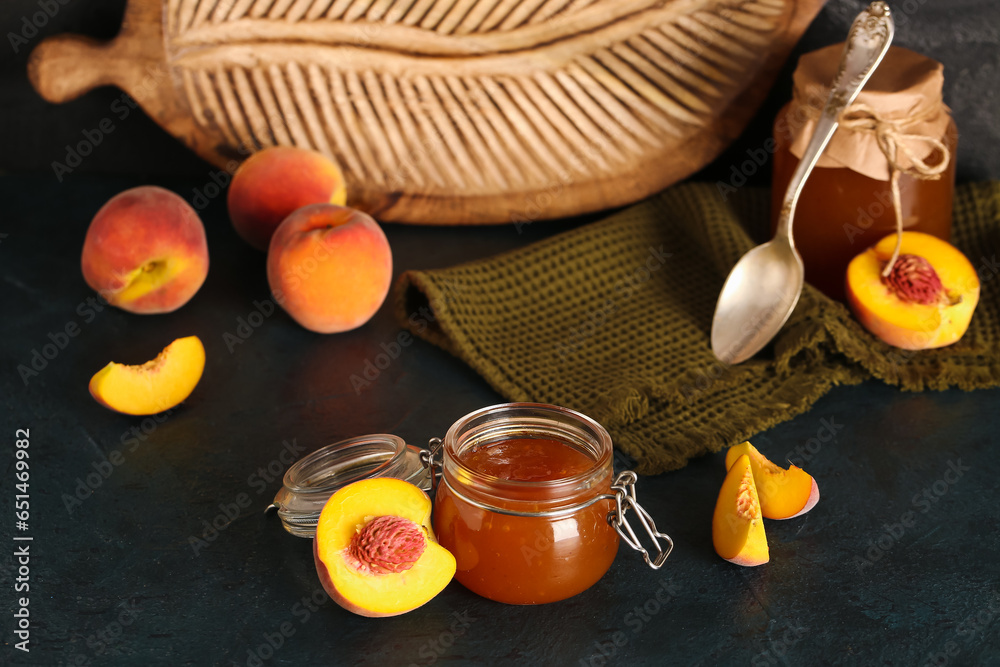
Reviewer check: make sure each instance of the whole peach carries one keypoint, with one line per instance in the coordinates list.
(145, 251)
(274, 182)
(329, 267)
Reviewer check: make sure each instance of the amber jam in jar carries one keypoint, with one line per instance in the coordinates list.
(523, 502)
(846, 204)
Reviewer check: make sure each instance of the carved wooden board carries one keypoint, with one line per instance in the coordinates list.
(449, 111)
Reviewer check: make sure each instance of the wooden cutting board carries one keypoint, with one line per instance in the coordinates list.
(449, 111)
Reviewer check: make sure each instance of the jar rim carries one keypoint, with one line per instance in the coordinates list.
(338, 458)
(600, 434)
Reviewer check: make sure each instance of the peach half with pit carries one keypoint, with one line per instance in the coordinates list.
(154, 386)
(783, 494)
(926, 300)
(274, 182)
(738, 525)
(145, 251)
(375, 550)
(329, 267)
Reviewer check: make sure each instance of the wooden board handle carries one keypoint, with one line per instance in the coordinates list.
(64, 67)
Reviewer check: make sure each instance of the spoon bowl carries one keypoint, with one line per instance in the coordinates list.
(757, 299)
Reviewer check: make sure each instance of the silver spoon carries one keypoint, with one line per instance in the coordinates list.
(764, 286)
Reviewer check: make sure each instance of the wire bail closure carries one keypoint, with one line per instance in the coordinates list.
(624, 488)
(431, 458)
(624, 497)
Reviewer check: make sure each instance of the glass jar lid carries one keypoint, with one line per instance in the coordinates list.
(310, 482)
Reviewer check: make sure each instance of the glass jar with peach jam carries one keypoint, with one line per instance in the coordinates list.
(524, 502)
(847, 203)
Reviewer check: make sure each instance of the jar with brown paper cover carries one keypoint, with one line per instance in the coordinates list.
(891, 161)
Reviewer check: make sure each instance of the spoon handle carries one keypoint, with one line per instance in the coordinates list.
(869, 39)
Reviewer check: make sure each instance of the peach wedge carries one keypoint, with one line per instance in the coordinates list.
(155, 386)
(375, 550)
(737, 525)
(783, 494)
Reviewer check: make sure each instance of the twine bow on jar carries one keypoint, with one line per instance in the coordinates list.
(892, 139)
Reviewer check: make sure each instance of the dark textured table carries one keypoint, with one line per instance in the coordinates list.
(150, 544)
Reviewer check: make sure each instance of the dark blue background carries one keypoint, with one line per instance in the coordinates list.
(898, 564)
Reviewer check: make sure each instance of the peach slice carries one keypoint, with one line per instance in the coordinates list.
(375, 550)
(155, 386)
(783, 494)
(925, 302)
(737, 525)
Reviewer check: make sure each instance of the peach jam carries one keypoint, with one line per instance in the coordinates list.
(524, 500)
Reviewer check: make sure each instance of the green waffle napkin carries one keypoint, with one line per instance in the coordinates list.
(613, 318)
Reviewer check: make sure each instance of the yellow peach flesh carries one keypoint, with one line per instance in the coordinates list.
(356, 589)
(155, 386)
(905, 324)
(149, 277)
(737, 525)
(784, 494)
